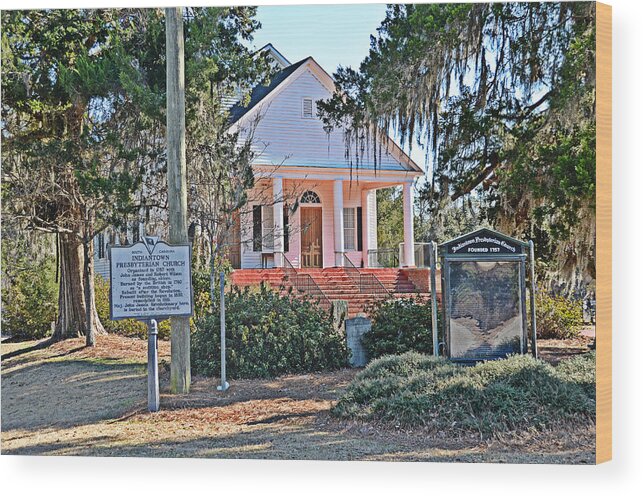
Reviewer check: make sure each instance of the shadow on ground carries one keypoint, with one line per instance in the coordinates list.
(67, 393)
(73, 401)
(298, 442)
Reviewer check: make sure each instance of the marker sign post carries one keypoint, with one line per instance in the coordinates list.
(150, 281)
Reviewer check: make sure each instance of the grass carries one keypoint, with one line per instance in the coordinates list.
(503, 396)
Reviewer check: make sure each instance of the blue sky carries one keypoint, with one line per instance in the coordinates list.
(332, 34)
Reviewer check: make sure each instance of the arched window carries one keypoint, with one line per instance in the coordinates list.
(310, 197)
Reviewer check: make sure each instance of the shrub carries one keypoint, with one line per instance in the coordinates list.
(581, 370)
(29, 299)
(201, 291)
(201, 285)
(516, 393)
(268, 334)
(399, 325)
(557, 317)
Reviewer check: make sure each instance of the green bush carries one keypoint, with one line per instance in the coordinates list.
(201, 285)
(581, 370)
(29, 299)
(399, 325)
(268, 334)
(201, 291)
(557, 317)
(507, 395)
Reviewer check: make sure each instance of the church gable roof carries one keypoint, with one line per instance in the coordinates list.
(304, 80)
(260, 92)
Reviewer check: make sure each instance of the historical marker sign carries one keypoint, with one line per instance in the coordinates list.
(150, 280)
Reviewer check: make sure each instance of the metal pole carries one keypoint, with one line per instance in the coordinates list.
(533, 299)
(153, 398)
(434, 297)
(224, 385)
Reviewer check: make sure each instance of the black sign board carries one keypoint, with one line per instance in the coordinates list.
(484, 242)
(484, 307)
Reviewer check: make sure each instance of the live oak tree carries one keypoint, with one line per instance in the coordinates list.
(84, 124)
(71, 151)
(502, 95)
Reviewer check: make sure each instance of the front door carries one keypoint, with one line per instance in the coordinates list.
(311, 237)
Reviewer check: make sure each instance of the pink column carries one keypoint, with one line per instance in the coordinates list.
(278, 216)
(409, 247)
(338, 218)
(365, 226)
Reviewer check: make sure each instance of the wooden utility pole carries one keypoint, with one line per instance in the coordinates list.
(177, 183)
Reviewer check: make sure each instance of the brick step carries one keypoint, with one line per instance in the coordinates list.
(334, 282)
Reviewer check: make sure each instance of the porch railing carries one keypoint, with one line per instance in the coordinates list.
(366, 283)
(383, 258)
(304, 283)
(422, 253)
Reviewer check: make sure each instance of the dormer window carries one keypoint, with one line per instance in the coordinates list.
(307, 108)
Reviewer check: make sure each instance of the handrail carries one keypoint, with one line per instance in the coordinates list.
(366, 283)
(288, 267)
(352, 271)
(304, 283)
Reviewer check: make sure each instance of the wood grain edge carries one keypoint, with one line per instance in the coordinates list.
(603, 232)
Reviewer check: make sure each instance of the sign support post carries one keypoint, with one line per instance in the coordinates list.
(224, 385)
(153, 396)
(149, 281)
(532, 299)
(434, 298)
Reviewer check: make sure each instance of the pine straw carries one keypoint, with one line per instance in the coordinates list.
(555, 350)
(255, 412)
(283, 418)
(111, 347)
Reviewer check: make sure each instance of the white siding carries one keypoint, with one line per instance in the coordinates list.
(284, 136)
(101, 264)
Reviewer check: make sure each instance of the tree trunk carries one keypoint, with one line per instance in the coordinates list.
(72, 303)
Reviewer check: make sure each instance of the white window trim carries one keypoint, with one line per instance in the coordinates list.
(350, 233)
(267, 229)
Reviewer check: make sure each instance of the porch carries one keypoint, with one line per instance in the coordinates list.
(316, 223)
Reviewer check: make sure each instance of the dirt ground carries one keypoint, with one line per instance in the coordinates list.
(69, 400)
